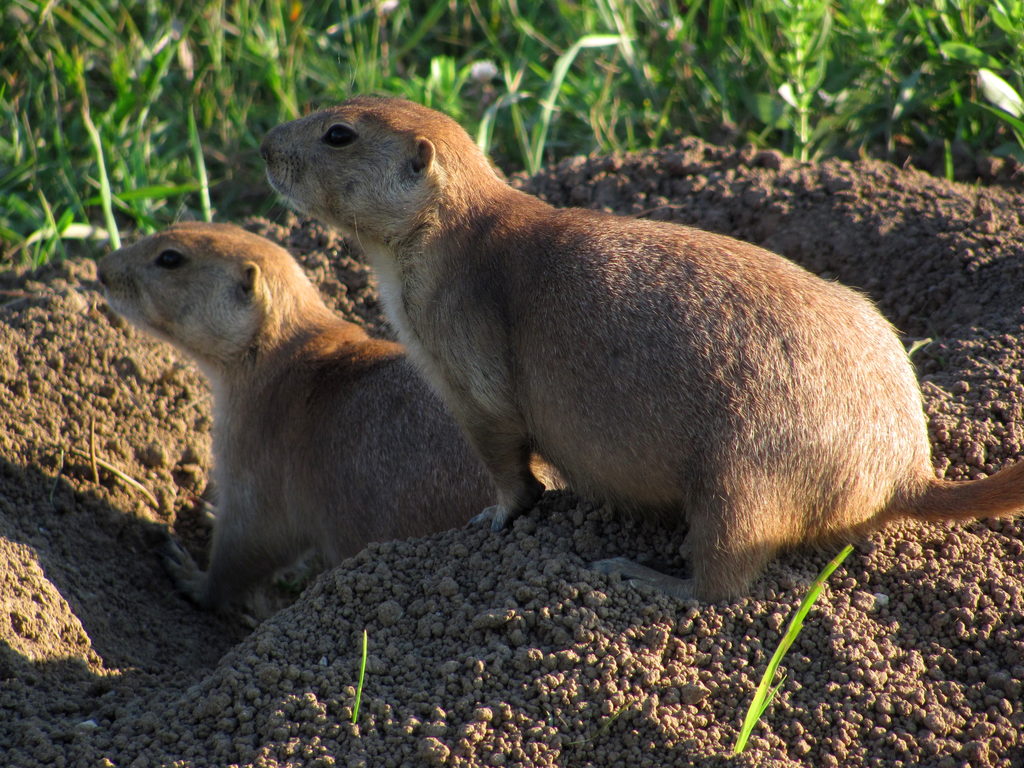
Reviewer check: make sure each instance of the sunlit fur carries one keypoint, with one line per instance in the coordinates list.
(665, 369)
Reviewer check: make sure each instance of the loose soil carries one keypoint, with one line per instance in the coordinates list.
(501, 648)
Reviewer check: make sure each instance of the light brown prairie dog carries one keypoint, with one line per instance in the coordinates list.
(323, 437)
(658, 367)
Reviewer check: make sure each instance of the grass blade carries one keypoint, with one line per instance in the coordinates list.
(362, 675)
(485, 131)
(106, 200)
(547, 108)
(967, 54)
(427, 23)
(197, 156)
(112, 469)
(765, 692)
(1000, 92)
(50, 235)
(1005, 116)
(152, 192)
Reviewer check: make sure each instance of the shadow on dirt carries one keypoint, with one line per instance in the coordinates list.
(103, 563)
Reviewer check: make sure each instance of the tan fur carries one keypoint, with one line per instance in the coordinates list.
(658, 367)
(323, 438)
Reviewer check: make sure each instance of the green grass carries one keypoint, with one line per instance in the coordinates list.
(180, 94)
(362, 676)
(767, 688)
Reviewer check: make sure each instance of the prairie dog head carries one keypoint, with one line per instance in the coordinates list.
(375, 167)
(213, 290)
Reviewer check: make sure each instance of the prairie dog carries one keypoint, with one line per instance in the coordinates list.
(658, 367)
(323, 437)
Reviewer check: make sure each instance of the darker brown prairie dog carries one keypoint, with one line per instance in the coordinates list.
(658, 367)
(323, 438)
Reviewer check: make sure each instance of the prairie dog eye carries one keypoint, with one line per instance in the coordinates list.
(170, 259)
(340, 135)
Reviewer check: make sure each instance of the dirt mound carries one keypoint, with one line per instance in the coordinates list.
(502, 649)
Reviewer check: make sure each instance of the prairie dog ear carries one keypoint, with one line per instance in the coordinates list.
(423, 157)
(251, 284)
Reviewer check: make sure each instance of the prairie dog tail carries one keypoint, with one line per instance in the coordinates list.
(999, 495)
